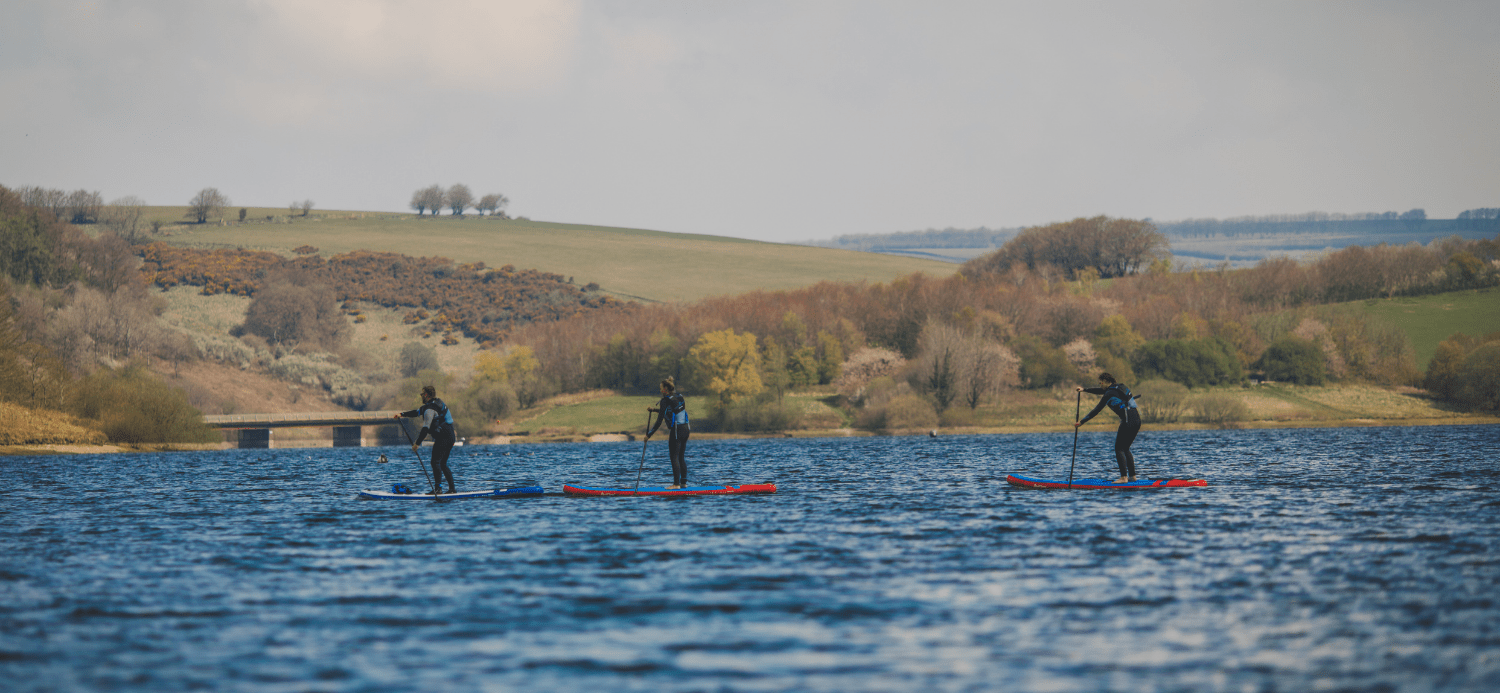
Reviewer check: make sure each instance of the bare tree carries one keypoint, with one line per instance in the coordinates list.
(50, 199)
(306, 206)
(426, 199)
(207, 203)
(492, 203)
(83, 206)
(458, 198)
(124, 217)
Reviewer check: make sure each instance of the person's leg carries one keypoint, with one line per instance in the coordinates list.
(678, 449)
(1123, 441)
(441, 447)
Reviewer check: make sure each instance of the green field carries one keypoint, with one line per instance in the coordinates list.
(630, 263)
(1431, 319)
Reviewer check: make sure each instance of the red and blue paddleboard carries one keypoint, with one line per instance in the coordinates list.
(1104, 484)
(661, 491)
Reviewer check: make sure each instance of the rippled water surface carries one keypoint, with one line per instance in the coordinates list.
(1334, 559)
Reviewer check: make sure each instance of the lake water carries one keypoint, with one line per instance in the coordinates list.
(1325, 559)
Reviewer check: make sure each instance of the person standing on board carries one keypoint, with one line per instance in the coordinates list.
(672, 409)
(437, 420)
(1119, 400)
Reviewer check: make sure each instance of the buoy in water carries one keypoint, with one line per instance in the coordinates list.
(382, 459)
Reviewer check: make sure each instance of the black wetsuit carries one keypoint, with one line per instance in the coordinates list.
(673, 410)
(1119, 400)
(437, 420)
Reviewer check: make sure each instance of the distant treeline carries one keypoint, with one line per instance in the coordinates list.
(931, 238)
(1380, 227)
(1388, 227)
(480, 302)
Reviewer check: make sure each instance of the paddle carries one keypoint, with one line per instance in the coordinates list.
(643, 456)
(421, 464)
(1077, 409)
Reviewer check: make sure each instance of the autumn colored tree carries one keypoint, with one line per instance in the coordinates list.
(727, 364)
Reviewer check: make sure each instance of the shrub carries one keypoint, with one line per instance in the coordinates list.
(415, 358)
(1192, 362)
(762, 413)
(910, 411)
(132, 406)
(1162, 401)
(1218, 409)
(1294, 359)
(1043, 365)
(1479, 378)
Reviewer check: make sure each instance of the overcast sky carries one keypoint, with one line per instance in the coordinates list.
(768, 120)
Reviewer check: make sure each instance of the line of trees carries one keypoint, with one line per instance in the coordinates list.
(1019, 327)
(457, 199)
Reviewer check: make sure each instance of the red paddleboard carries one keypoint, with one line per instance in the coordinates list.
(660, 491)
(1142, 485)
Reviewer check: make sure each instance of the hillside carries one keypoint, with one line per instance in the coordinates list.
(1433, 318)
(629, 263)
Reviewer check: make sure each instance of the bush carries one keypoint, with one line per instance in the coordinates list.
(415, 358)
(132, 406)
(1295, 360)
(1043, 365)
(1479, 378)
(1219, 409)
(1192, 362)
(1162, 401)
(910, 411)
(762, 413)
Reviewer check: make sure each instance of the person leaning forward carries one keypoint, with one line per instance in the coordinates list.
(1119, 400)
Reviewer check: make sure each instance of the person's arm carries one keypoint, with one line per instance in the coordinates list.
(1097, 408)
(661, 415)
(428, 414)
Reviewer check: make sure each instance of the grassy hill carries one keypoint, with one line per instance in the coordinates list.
(630, 263)
(1431, 319)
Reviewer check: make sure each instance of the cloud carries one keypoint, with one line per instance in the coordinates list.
(459, 45)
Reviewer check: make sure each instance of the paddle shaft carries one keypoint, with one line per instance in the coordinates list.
(421, 464)
(1077, 409)
(643, 455)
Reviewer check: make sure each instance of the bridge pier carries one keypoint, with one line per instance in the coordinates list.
(252, 438)
(348, 437)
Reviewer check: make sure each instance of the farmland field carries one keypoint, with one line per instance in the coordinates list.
(630, 263)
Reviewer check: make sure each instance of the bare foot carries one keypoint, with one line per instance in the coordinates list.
(1123, 480)
(1132, 479)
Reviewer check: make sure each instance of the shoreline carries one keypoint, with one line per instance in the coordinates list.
(85, 449)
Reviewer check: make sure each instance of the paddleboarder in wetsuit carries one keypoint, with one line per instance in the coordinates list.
(672, 409)
(1119, 400)
(437, 420)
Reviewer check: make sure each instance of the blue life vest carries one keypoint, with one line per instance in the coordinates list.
(677, 410)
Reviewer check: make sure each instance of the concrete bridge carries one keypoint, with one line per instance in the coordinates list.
(348, 426)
